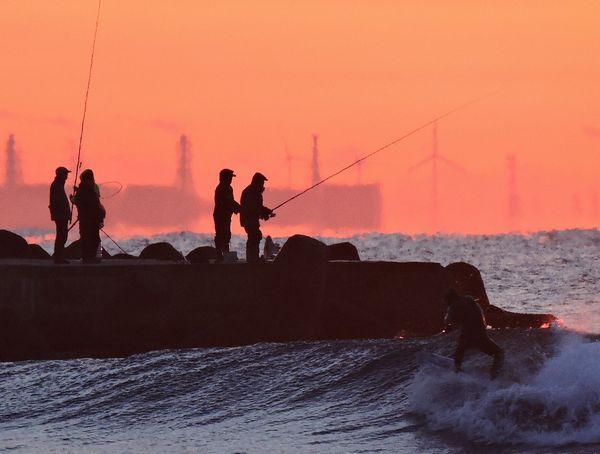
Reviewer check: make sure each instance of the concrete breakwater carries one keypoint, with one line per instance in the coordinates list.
(122, 307)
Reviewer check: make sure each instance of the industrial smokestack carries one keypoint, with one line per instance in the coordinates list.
(14, 177)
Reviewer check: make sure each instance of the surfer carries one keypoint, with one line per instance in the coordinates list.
(251, 211)
(464, 311)
(225, 206)
(60, 213)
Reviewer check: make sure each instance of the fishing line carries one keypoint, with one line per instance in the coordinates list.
(87, 92)
(116, 244)
(408, 134)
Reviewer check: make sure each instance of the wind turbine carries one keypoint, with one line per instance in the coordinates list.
(434, 158)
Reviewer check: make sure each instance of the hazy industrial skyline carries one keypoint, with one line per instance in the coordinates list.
(246, 80)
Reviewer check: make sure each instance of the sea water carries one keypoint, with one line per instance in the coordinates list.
(344, 396)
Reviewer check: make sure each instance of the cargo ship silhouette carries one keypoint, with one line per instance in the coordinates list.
(24, 206)
(327, 206)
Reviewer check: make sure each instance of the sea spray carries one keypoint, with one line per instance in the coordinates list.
(557, 405)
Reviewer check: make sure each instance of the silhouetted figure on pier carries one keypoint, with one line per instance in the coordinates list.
(91, 215)
(225, 207)
(60, 213)
(251, 212)
(464, 311)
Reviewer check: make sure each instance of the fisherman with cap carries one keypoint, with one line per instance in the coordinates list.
(60, 213)
(464, 311)
(252, 210)
(225, 206)
(91, 215)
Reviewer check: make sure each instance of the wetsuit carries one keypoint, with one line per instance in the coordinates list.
(467, 313)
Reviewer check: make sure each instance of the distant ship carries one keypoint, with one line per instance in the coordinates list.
(328, 206)
(26, 205)
(22, 205)
(162, 206)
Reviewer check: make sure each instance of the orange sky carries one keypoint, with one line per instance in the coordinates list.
(243, 79)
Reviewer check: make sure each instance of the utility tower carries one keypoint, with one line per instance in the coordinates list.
(315, 172)
(513, 198)
(185, 181)
(13, 176)
(434, 158)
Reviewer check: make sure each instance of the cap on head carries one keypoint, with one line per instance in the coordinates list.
(450, 296)
(62, 171)
(259, 177)
(226, 173)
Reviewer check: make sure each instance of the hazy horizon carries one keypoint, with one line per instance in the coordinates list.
(250, 84)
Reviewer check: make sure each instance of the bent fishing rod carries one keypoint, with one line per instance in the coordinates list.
(87, 93)
(394, 142)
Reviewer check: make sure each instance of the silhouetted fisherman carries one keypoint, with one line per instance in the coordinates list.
(251, 211)
(464, 311)
(225, 206)
(91, 215)
(60, 213)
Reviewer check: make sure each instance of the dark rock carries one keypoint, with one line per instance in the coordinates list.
(161, 251)
(73, 251)
(466, 280)
(12, 246)
(202, 254)
(35, 251)
(301, 249)
(343, 251)
(499, 318)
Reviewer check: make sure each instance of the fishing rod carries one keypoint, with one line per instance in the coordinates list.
(408, 134)
(87, 92)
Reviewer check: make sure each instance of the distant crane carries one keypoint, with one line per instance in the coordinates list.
(184, 175)
(434, 157)
(315, 171)
(13, 177)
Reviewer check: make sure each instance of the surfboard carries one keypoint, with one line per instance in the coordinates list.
(435, 360)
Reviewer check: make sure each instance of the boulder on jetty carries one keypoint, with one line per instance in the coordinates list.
(35, 251)
(119, 308)
(343, 251)
(161, 251)
(202, 254)
(73, 251)
(12, 246)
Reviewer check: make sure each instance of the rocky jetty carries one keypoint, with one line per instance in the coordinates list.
(122, 307)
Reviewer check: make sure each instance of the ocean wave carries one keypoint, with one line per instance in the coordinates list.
(555, 404)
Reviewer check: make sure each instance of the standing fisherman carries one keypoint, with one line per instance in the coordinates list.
(91, 215)
(225, 206)
(252, 210)
(60, 213)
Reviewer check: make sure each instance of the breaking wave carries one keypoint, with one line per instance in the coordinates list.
(545, 400)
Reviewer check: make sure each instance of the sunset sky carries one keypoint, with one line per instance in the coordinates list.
(245, 80)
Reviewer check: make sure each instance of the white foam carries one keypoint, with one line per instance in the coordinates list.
(557, 405)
